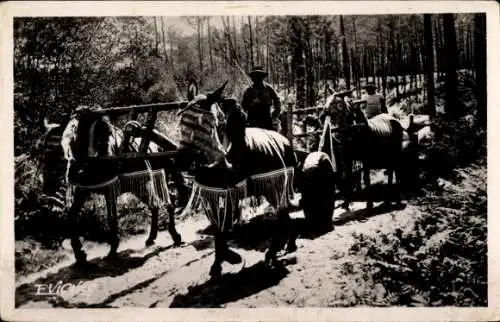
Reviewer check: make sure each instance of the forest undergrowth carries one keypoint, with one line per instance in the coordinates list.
(441, 259)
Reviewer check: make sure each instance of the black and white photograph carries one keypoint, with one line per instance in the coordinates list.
(250, 158)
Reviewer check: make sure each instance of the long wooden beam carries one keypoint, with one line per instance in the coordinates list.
(307, 110)
(136, 156)
(144, 108)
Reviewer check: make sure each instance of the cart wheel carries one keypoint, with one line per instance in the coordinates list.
(318, 189)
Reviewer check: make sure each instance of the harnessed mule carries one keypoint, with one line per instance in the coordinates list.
(86, 138)
(377, 143)
(340, 120)
(263, 164)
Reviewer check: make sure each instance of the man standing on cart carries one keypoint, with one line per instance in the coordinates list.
(375, 103)
(261, 102)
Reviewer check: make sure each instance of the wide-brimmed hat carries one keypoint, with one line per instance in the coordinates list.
(370, 85)
(258, 71)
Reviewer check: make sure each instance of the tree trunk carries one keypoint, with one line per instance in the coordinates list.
(429, 64)
(345, 55)
(200, 52)
(267, 44)
(257, 46)
(164, 41)
(480, 65)
(157, 37)
(298, 61)
(251, 41)
(209, 35)
(450, 44)
(309, 66)
(355, 59)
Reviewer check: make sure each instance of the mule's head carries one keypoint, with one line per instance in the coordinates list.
(209, 106)
(236, 122)
(341, 110)
(210, 103)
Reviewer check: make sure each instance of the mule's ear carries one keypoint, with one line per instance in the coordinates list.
(217, 94)
(192, 90)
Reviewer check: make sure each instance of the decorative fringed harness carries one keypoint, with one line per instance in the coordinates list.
(110, 189)
(147, 184)
(221, 205)
(150, 184)
(275, 186)
(218, 203)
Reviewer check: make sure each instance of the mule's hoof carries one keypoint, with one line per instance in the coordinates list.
(291, 248)
(177, 241)
(269, 259)
(232, 257)
(215, 271)
(112, 255)
(81, 259)
(150, 242)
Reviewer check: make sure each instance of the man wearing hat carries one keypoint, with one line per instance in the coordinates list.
(258, 101)
(375, 103)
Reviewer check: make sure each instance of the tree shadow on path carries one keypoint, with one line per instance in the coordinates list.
(364, 214)
(93, 269)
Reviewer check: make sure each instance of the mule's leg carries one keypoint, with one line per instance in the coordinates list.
(182, 189)
(347, 184)
(219, 242)
(397, 185)
(280, 237)
(176, 237)
(292, 233)
(222, 253)
(79, 198)
(390, 176)
(114, 240)
(153, 232)
(367, 182)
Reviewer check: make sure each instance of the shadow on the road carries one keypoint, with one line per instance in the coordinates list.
(257, 233)
(231, 287)
(364, 214)
(378, 192)
(252, 235)
(93, 269)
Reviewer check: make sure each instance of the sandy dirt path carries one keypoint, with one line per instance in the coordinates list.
(162, 276)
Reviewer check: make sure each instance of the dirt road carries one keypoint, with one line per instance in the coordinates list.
(162, 276)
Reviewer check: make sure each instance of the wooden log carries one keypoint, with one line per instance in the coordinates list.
(307, 110)
(150, 107)
(136, 156)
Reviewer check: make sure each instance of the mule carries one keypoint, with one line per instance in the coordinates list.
(263, 163)
(377, 143)
(89, 137)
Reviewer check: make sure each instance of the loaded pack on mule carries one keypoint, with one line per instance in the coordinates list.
(102, 158)
(357, 144)
(362, 144)
(88, 142)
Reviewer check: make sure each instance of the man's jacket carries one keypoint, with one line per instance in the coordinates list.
(257, 102)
